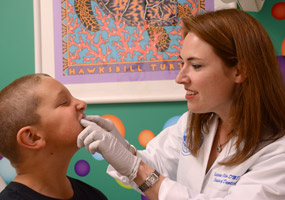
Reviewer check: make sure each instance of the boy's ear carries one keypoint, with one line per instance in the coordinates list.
(28, 138)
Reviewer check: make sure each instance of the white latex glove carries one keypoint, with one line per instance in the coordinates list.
(110, 127)
(96, 139)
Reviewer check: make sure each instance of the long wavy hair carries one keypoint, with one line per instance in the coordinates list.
(258, 111)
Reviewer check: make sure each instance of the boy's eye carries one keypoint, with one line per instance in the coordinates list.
(65, 103)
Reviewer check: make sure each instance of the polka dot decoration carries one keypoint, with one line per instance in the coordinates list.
(82, 168)
(278, 11)
(7, 172)
(144, 197)
(145, 136)
(123, 185)
(98, 156)
(281, 60)
(283, 48)
(117, 122)
(171, 121)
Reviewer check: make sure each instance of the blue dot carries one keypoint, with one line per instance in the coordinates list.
(98, 156)
(171, 121)
(7, 172)
(82, 168)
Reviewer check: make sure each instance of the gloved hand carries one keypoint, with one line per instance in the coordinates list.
(96, 139)
(109, 127)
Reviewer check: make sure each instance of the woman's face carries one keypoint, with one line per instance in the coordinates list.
(209, 84)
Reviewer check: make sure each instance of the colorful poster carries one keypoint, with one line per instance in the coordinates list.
(99, 41)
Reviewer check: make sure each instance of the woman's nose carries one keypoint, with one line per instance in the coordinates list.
(182, 77)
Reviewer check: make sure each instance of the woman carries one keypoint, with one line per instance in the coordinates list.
(230, 144)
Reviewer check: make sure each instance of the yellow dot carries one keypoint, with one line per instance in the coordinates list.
(117, 122)
(145, 136)
(123, 185)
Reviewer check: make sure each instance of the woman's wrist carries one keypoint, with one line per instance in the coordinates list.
(145, 171)
(133, 150)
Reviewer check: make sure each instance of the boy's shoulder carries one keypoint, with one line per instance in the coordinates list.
(18, 191)
(82, 189)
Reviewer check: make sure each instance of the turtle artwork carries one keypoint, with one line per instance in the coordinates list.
(155, 13)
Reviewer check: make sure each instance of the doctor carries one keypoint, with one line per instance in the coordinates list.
(231, 143)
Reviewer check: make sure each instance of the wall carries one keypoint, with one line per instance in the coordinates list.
(17, 59)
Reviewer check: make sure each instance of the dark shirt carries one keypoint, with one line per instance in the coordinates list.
(82, 191)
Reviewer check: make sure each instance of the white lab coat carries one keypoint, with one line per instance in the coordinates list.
(260, 177)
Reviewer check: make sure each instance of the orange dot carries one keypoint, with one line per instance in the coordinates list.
(283, 48)
(117, 122)
(145, 136)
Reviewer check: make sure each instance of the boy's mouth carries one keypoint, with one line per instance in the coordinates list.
(82, 117)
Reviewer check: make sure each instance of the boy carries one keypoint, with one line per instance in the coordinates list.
(39, 125)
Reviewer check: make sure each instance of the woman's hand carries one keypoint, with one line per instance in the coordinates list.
(96, 139)
(110, 127)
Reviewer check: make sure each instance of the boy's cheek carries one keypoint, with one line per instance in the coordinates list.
(81, 128)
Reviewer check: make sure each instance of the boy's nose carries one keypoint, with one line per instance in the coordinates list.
(81, 105)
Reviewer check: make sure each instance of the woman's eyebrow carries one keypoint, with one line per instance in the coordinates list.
(190, 58)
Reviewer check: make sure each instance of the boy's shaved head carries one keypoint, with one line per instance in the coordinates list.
(18, 104)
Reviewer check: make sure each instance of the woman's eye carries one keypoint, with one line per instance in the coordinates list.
(196, 66)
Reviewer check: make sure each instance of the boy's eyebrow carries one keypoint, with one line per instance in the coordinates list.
(60, 94)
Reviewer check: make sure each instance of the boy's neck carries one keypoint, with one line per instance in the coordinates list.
(45, 175)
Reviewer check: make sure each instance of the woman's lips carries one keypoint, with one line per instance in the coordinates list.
(190, 94)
